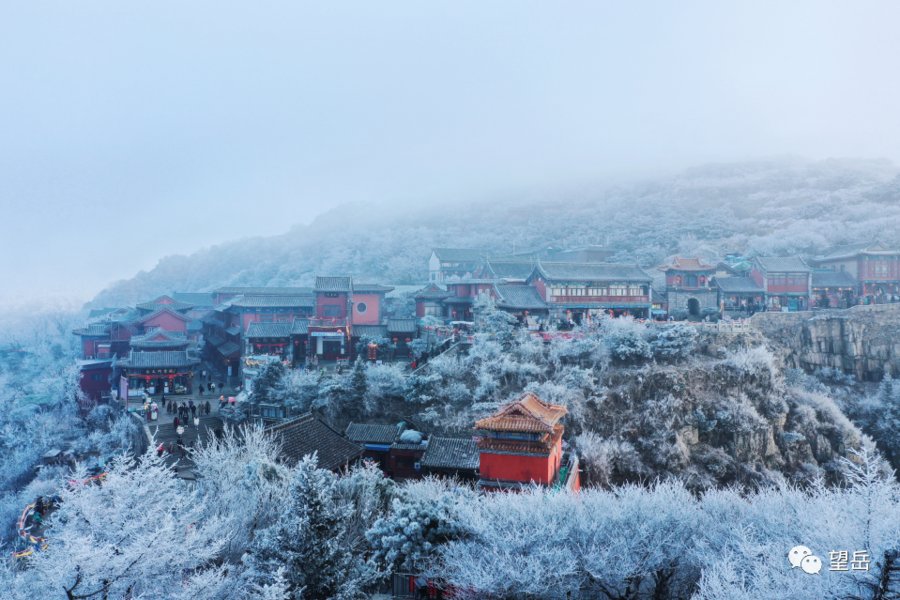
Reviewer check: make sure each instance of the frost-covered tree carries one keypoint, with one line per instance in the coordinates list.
(493, 322)
(266, 384)
(242, 483)
(673, 342)
(423, 516)
(298, 389)
(310, 541)
(627, 341)
(138, 532)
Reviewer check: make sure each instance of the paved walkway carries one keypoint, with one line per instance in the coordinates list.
(163, 429)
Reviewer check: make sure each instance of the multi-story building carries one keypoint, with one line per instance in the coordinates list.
(786, 281)
(579, 291)
(689, 286)
(522, 444)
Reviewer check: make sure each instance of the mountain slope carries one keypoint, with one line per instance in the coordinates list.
(783, 206)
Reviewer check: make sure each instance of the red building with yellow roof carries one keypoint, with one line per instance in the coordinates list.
(522, 444)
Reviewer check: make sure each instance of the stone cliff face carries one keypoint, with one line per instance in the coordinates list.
(863, 340)
(713, 421)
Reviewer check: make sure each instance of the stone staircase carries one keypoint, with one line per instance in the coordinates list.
(166, 434)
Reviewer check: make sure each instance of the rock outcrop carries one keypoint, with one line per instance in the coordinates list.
(863, 341)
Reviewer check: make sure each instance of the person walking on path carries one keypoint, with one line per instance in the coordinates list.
(212, 388)
(206, 408)
(201, 389)
(175, 422)
(193, 409)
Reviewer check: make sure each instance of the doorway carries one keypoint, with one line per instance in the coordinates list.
(694, 307)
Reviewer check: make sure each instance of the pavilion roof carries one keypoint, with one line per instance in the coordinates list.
(159, 338)
(523, 297)
(269, 330)
(402, 325)
(459, 254)
(162, 302)
(307, 435)
(587, 272)
(161, 310)
(451, 453)
(332, 284)
(159, 359)
(196, 299)
(374, 288)
(680, 263)
(264, 291)
(833, 279)
(854, 250)
(510, 269)
(432, 292)
(527, 414)
(92, 329)
(374, 433)
(738, 285)
(783, 264)
(372, 331)
(267, 301)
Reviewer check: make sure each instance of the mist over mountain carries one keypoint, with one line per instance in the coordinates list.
(782, 206)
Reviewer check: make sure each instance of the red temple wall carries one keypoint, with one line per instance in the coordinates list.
(340, 301)
(372, 316)
(166, 321)
(513, 467)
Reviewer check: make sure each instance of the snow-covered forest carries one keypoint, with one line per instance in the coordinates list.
(777, 207)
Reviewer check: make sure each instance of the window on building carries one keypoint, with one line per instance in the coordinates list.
(618, 290)
(361, 307)
(331, 310)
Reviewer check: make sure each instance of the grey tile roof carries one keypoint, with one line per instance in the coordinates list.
(155, 306)
(373, 433)
(432, 292)
(159, 338)
(200, 299)
(228, 349)
(300, 327)
(402, 325)
(164, 309)
(332, 284)
(508, 269)
(851, 250)
(586, 254)
(266, 301)
(459, 254)
(738, 285)
(833, 279)
(159, 360)
(93, 329)
(590, 272)
(306, 435)
(265, 291)
(372, 331)
(371, 288)
(451, 453)
(523, 297)
(269, 330)
(233, 330)
(783, 264)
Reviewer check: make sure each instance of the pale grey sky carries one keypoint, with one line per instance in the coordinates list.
(130, 131)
